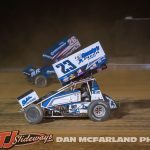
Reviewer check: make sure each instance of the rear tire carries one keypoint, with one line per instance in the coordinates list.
(98, 110)
(40, 81)
(33, 114)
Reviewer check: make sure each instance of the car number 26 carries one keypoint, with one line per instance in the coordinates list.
(66, 66)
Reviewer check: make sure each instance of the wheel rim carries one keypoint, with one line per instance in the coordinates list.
(99, 111)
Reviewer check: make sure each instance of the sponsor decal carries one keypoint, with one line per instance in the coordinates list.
(88, 55)
(10, 139)
(26, 100)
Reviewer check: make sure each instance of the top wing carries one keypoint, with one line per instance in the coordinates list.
(78, 64)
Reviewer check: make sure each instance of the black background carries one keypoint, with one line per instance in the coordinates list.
(29, 27)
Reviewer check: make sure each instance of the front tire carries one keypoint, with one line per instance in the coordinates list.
(33, 114)
(98, 110)
(40, 81)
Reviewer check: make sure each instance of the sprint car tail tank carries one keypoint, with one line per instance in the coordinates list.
(78, 64)
(62, 49)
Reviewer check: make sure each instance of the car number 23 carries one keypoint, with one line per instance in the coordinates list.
(66, 66)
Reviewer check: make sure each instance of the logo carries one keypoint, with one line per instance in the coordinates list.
(88, 55)
(9, 139)
(26, 100)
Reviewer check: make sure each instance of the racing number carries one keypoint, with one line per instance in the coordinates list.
(72, 40)
(65, 69)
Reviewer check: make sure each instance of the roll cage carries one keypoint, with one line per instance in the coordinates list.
(74, 84)
(71, 86)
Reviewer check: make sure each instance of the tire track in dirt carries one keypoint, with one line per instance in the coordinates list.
(131, 119)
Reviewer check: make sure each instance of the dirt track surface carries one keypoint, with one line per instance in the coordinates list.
(131, 88)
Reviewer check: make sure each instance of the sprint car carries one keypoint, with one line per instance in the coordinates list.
(40, 76)
(81, 98)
